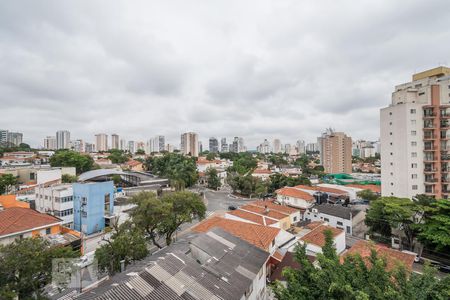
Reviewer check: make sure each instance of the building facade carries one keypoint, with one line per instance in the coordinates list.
(213, 145)
(101, 142)
(415, 137)
(56, 200)
(189, 144)
(50, 143)
(335, 152)
(115, 141)
(93, 204)
(62, 139)
(15, 138)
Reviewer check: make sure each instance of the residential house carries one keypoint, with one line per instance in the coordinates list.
(314, 237)
(261, 215)
(8, 201)
(134, 165)
(295, 197)
(336, 216)
(262, 174)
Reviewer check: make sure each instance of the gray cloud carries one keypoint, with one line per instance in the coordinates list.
(258, 69)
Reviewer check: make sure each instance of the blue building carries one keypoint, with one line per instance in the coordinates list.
(93, 204)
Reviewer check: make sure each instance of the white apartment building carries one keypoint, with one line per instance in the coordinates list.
(115, 141)
(415, 134)
(101, 142)
(276, 146)
(62, 139)
(50, 143)
(56, 200)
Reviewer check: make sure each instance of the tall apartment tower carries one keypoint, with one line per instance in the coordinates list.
(115, 141)
(157, 144)
(335, 152)
(276, 146)
(62, 139)
(50, 143)
(3, 136)
(189, 144)
(213, 145)
(223, 145)
(15, 138)
(101, 142)
(415, 137)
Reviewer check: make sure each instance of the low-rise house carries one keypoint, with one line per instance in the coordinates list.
(203, 164)
(19, 222)
(325, 193)
(337, 216)
(134, 165)
(211, 266)
(250, 217)
(393, 257)
(314, 237)
(295, 197)
(263, 174)
(294, 213)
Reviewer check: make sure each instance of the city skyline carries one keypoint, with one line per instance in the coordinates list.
(267, 70)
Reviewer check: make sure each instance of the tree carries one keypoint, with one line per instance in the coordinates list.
(278, 181)
(140, 152)
(355, 278)
(116, 179)
(435, 230)
(118, 156)
(213, 179)
(162, 217)
(243, 163)
(149, 213)
(367, 195)
(179, 169)
(26, 266)
(184, 208)
(392, 212)
(211, 156)
(66, 178)
(127, 243)
(69, 158)
(7, 181)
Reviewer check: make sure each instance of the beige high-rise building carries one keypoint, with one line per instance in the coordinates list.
(101, 142)
(415, 137)
(335, 152)
(115, 141)
(189, 144)
(50, 143)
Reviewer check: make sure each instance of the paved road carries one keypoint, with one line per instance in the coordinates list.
(219, 201)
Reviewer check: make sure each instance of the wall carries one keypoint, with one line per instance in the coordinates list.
(296, 202)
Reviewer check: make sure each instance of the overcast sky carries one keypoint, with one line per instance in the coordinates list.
(257, 69)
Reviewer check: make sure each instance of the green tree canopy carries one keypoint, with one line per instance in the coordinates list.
(118, 156)
(66, 178)
(180, 170)
(354, 279)
(7, 182)
(243, 163)
(69, 158)
(278, 181)
(367, 195)
(26, 266)
(213, 179)
(127, 243)
(435, 230)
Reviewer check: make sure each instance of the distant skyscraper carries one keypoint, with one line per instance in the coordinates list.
(131, 147)
(264, 147)
(157, 144)
(189, 144)
(213, 145)
(115, 141)
(50, 143)
(300, 145)
(287, 148)
(312, 147)
(62, 139)
(3, 136)
(335, 152)
(241, 145)
(223, 145)
(200, 147)
(101, 142)
(15, 138)
(79, 146)
(123, 145)
(89, 147)
(276, 146)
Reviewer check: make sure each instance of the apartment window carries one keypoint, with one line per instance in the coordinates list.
(414, 187)
(421, 93)
(392, 173)
(390, 133)
(392, 163)
(295, 219)
(413, 132)
(326, 220)
(414, 176)
(390, 123)
(414, 144)
(414, 165)
(413, 122)
(392, 183)
(390, 113)
(390, 143)
(348, 229)
(413, 154)
(48, 231)
(340, 223)
(412, 110)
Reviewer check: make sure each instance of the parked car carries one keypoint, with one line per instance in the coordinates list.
(232, 207)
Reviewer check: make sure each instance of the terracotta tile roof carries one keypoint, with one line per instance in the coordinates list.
(296, 193)
(16, 219)
(258, 235)
(287, 261)
(133, 163)
(272, 205)
(8, 201)
(321, 189)
(317, 237)
(374, 188)
(314, 224)
(252, 217)
(203, 161)
(261, 171)
(392, 256)
(277, 255)
(262, 211)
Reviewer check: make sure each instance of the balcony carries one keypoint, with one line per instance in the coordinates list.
(429, 137)
(431, 180)
(445, 115)
(430, 170)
